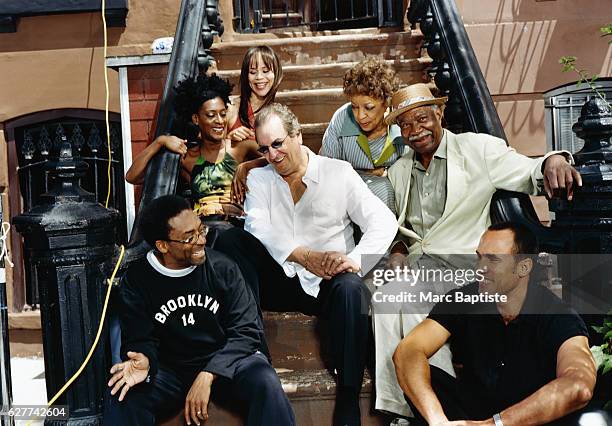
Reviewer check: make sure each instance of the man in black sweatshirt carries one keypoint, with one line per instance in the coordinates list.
(188, 320)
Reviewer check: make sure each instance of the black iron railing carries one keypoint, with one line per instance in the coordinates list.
(198, 23)
(261, 15)
(470, 107)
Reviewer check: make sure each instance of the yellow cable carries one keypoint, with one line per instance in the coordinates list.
(108, 192)
(110, 280)
(98, 334)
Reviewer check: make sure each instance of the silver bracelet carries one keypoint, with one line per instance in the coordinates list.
(497, 419)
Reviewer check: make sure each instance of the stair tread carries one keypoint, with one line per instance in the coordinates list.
(314, 383)
(314, 39)
(406, 63)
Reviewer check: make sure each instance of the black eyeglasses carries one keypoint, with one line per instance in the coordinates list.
(264, 149)
(202, 230)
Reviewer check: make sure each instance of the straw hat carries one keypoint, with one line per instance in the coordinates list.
(411, 97)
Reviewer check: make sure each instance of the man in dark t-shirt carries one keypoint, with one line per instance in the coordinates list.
(188, 320)
(524, 355)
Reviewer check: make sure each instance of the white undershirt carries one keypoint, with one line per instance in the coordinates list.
(173, 273)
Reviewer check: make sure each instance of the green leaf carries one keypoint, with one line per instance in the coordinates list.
(598, 355)
(608, 336)
(607, 366)
(597, 329)
(608, 406)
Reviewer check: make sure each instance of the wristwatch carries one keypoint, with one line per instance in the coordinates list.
(497, 419)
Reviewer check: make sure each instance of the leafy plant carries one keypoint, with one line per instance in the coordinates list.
(607, 30)
(603, 353)
(584, 77)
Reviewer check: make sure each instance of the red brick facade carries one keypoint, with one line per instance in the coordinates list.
(145, 87)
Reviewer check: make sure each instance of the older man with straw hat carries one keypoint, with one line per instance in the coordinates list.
(443, 187)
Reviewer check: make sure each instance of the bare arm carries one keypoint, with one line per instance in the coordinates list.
(570, 391)
(136, 172)
(239, 185)
(412, 368)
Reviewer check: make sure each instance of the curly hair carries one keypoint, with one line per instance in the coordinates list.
(193, 92)
(371, 77)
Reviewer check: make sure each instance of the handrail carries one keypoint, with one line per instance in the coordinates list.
(193, 37)
(472, 87)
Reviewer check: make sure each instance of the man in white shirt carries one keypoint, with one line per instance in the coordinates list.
(299, 252)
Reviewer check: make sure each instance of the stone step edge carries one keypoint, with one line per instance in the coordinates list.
(414, 35)
(328, 93)
(296, 385)
(411, 64)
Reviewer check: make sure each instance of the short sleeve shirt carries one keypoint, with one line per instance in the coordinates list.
(508, 362)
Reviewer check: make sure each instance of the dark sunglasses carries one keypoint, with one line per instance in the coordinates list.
(264, 149)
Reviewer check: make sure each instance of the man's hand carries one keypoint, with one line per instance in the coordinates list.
(466, 423)
(239, 183)
(196, 402)
(559, 175)
(313, 261)
(335, 262)
(240, 134)
(129, 373)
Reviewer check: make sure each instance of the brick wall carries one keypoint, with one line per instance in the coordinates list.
(145, 87)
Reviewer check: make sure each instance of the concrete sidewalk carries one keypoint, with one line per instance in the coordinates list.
(28, 376)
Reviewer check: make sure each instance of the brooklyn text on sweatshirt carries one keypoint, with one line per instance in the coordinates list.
(191, 301)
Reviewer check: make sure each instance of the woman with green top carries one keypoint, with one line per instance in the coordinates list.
(209, 166)
(357, 132)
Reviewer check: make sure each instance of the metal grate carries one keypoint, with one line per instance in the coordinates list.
(261, 15)
(37, 144)
(563, 107)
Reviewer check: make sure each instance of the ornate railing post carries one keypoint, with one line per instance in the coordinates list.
(586, 222)
(70, 238)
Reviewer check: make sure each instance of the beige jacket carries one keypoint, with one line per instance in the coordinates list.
(477, 165)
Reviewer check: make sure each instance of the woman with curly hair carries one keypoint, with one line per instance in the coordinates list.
(357, 132)
(210, 165)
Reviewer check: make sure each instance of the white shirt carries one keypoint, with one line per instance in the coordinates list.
(335, 196)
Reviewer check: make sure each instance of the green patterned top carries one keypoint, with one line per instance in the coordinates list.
(211, 184)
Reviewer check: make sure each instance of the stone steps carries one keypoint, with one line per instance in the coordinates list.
(295, 345)
(323, 76)
(327, 49)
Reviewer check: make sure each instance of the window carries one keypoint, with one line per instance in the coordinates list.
(37, 139)
(563, 107)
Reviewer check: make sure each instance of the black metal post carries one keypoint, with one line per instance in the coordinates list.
(162, 173)
(586, 222)
(70, 239)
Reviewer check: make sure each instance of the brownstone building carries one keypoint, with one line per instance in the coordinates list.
(53, 67)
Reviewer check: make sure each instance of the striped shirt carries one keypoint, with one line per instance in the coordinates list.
(340, 141)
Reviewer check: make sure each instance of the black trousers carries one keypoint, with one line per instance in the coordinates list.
(255, 388)
(463, 402)
(343, 301)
